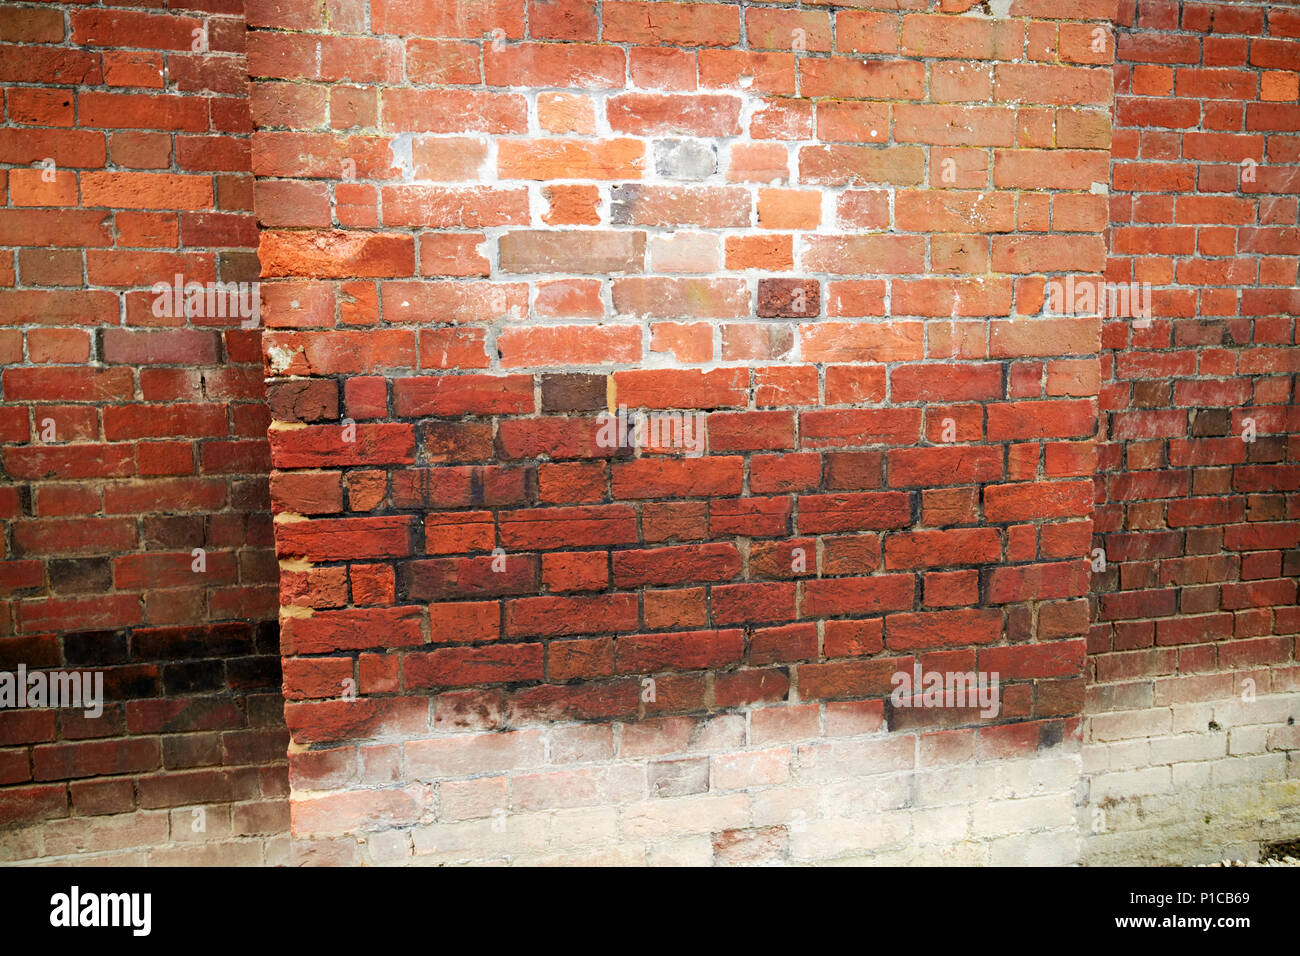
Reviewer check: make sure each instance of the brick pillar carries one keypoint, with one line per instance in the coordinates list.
(821, 237)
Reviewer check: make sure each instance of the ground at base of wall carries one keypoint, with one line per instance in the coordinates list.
(1285, 861)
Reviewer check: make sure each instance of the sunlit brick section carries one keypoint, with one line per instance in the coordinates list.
(652, 383)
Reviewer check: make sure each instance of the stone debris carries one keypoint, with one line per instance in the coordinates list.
(1285, 861)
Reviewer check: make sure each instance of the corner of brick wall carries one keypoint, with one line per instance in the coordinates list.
(130, 439)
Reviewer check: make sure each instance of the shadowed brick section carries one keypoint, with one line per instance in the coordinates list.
(192, 716)
(133, 442)
(1194, 621)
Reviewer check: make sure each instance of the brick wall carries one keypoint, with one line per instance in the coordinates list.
(822, 230)
(129, 438)
(829, 233)
(1195, 687)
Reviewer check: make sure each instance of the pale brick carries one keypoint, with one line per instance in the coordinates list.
(1020, 816)
(389, 847)
(1247, 740)
(1131, 783)
(469, 799)
(483, 840)
(678, 778)
(679, 816)
(1039, 849)
(1129, 755)
(1130, 723)
(685, 159)
(753, 768)
(784, 724)
(1249, 770)
(210, 822)
(593, 826)
(584, 743)
(442, 757)
(685, 252)
(596, 786)
(941, 825)
(827, 839)
(828, 760)
(1187, 747)
(694, 851)
(144, 828)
